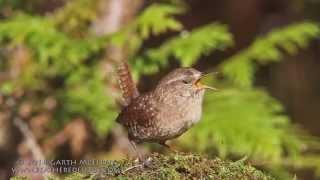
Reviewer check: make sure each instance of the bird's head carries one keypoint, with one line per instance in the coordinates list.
(185, 79)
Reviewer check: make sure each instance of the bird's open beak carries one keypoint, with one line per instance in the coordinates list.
(199, 85)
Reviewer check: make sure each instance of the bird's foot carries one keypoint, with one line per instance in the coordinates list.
(140, 163)
(147, 162)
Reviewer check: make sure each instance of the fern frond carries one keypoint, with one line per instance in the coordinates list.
(158, 18)
(270, 48)
(244, 123)
(55, 54)
(85, 95)
(75, 16)
(187, 48)
(154, 20)
(53, 50)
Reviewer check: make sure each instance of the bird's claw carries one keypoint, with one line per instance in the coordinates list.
(140, 163)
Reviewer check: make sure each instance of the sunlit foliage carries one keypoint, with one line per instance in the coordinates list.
(240, 120)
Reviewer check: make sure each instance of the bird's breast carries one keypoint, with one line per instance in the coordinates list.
(181, 113)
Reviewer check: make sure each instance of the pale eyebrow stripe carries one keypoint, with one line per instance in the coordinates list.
(172, 80)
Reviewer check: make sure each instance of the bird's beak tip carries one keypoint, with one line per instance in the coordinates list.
(199, 85)
(211, 88)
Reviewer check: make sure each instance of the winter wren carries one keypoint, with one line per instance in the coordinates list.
(165, 112)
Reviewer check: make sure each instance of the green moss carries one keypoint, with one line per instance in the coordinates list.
(190, 166)
(179, 166)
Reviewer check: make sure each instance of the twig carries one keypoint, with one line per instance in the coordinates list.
(27, 134)
(132, 167)
(30, 139)
(31, 142)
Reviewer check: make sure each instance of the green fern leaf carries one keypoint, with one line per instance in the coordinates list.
(240, 68)
(187, 48)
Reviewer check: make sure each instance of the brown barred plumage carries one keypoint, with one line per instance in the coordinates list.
(126, 83)
(164, 113)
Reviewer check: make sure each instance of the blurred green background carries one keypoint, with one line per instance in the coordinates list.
(58, 62)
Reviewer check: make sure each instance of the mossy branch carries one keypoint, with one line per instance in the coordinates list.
(178, 166)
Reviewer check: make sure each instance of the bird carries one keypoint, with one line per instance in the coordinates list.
(167, 111)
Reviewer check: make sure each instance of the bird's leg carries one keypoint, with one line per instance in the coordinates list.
(134, 146)
(144, 162)
(163, 143)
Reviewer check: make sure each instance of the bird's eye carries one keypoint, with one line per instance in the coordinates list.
(185, 81)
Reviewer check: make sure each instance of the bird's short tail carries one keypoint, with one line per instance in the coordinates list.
(126, 83)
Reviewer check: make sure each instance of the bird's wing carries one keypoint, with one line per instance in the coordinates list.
(127, 86)
(141, 112)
